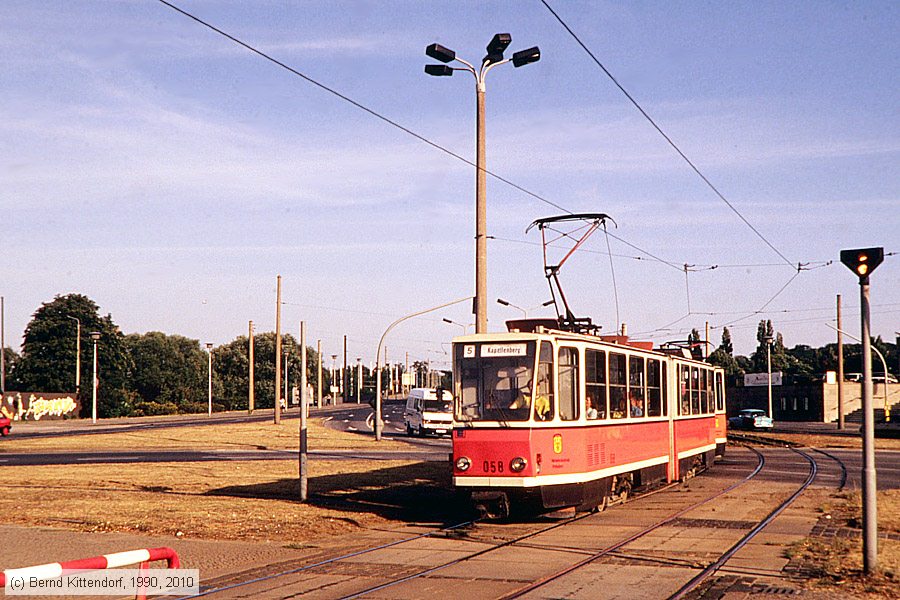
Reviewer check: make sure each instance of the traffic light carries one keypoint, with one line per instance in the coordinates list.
(862, 261)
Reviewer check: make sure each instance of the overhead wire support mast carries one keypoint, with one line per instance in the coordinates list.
(690, 163)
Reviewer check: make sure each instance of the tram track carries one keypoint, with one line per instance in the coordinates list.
(495, 538)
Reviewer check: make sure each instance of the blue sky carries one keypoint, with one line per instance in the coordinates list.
(170, 175)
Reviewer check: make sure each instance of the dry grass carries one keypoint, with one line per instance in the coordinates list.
(236, 500)
(835, 563)
(241, 436)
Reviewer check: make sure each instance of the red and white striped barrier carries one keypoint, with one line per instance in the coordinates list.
(96, 563)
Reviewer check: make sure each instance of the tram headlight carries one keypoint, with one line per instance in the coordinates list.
(463, 463)
(518, 464)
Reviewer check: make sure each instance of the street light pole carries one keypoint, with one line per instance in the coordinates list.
(379, 425)
(359, 377)
(77, 353)
(209, 373)
(494, 57)
(95, 335)
(769, 341)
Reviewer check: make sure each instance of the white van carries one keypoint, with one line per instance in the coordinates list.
(425, 413)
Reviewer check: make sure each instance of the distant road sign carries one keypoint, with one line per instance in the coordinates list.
(759, 379)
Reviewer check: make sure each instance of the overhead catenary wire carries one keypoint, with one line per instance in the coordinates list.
(665, 136)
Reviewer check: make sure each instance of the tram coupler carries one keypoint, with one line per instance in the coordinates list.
(491, 505)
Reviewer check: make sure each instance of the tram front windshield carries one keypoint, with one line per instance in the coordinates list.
(495, 380)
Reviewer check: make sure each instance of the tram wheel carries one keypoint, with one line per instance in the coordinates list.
(409, 430)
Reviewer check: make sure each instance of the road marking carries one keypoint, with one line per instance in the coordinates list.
(351, 428)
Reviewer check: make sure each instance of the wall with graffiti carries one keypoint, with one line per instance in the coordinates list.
(34, 406)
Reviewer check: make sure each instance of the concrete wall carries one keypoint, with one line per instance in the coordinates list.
(811, 402)
(853, 398)
(34, 406)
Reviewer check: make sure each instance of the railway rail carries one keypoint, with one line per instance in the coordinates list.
(491, 538)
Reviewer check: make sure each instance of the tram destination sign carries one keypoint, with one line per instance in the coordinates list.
(503, 350)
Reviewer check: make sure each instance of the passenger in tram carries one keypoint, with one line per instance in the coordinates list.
(590, 406)
(617, 405)
(637, 406)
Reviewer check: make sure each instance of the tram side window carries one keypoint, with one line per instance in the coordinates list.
(595, 384)
(543, 404)
(636, 380)
(720, 393)
(568, 384)
(695, 391)
(685, 383)
(704, 391)
(618, 377)
(654, 389)
(665, 390)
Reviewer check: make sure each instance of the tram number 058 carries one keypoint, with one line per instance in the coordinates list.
(493, 466)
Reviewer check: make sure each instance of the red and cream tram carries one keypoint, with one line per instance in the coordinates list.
(545, 418)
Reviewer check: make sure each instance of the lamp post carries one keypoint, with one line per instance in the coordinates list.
(769, 340)
(887, 412)
(379, 425)
(524, 310)
(209, 373)
(494, 57)
(95, 335)
(333, 375)
(359, 378)
(77, 353)
(287, 351)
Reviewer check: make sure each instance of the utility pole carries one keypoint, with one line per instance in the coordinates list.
(209, 373)
(840, 373)
(304, 405)
(319, 375)
(278, 355)
(77, 354)
(250, 388)
(359, 379)
(95, 335)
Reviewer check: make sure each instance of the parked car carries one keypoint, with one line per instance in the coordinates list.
(4, 425)
(751, 418)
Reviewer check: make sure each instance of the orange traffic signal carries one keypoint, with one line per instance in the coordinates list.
(862, 261)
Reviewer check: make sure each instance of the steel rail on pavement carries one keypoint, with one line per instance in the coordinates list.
(328, 561)
(761, 461)
(693, 583)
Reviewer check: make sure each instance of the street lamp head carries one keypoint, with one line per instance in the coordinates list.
(209, 345)
(499, 43)
(548, 302)
(439, 70)
(502, 301)
(446, 320)
(524, 57)
(438, 52)
(95, 335)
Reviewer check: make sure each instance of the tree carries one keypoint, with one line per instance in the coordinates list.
(11, 359)
(48, 360)
(231, 366)
(723, 356)
(168, 374)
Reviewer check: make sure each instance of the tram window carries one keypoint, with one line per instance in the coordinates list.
(495, 387)
(685, 383)
(664, 380)
(544, 405)
(595, 384)
(568, 384)
(695, 391)
(720, 393)
(636, 380)
(654, 389)
(618, 377)
(704, 391)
